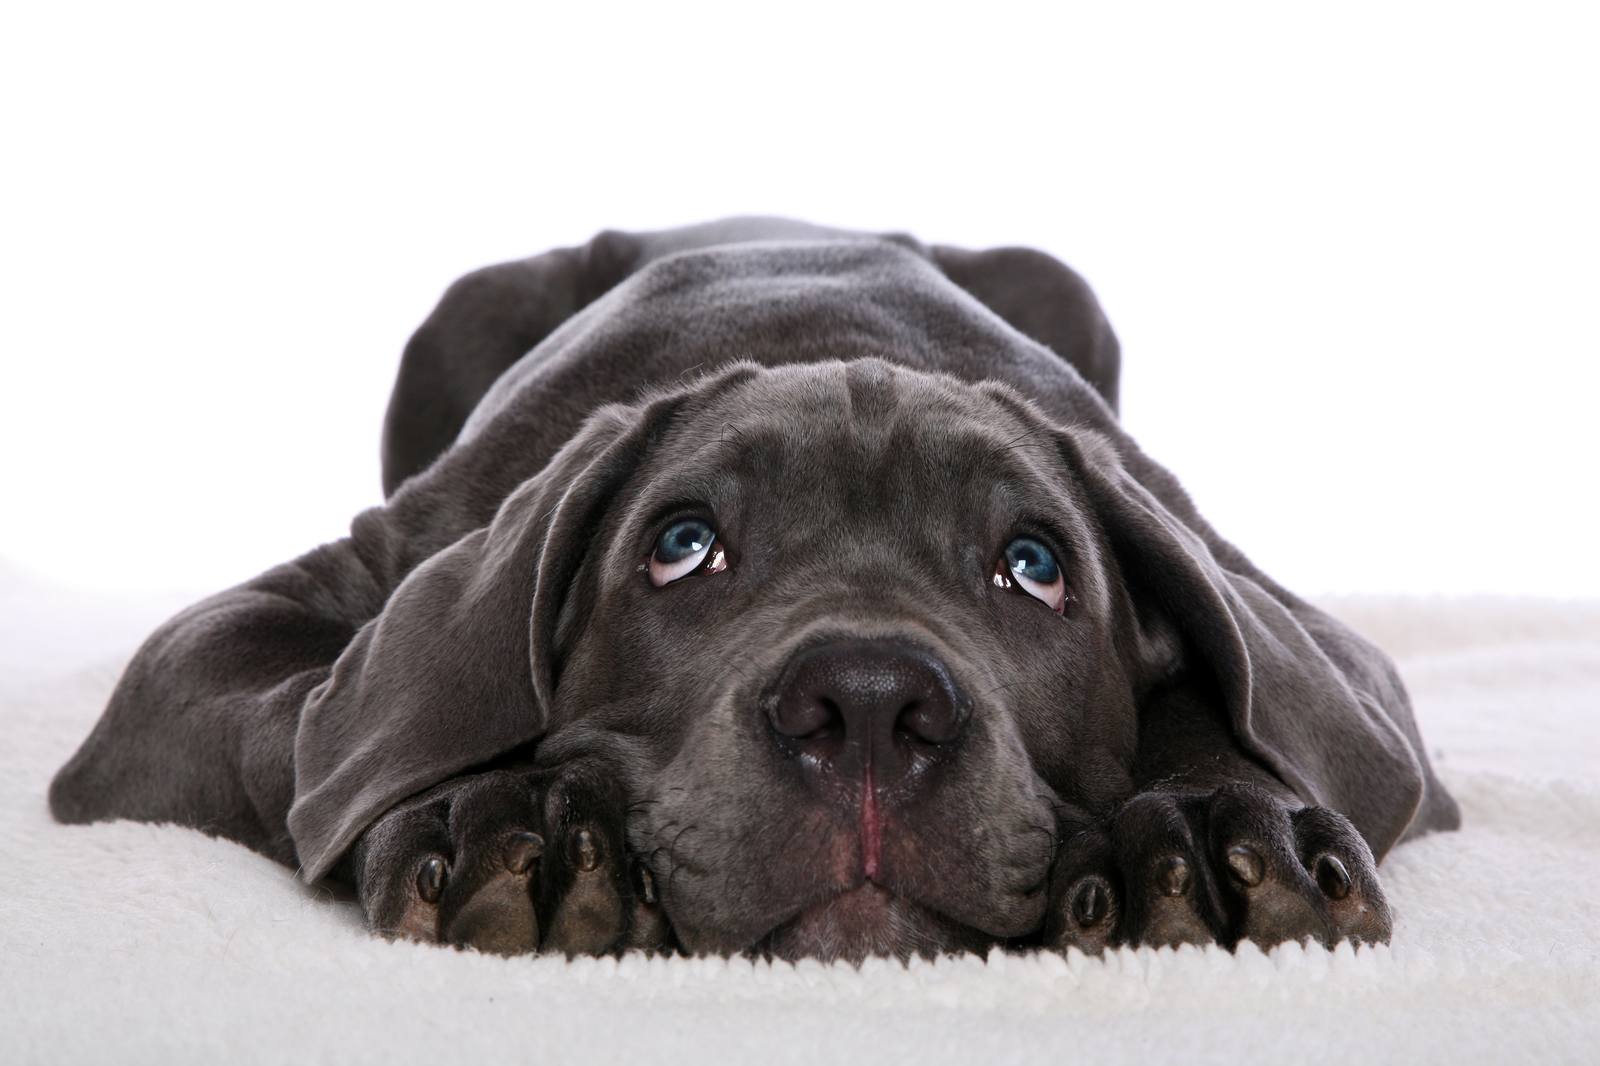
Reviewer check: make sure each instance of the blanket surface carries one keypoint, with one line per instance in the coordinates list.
(124, 942)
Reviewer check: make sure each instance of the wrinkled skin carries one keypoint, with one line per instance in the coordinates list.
(497, 714)
(1026, 819)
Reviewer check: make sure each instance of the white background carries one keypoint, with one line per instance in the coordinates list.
(1351, 250)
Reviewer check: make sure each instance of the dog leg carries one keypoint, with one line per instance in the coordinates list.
(510, 862)
(1212, 848)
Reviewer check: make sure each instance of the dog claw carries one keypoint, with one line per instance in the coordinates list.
(521, 850)
(648, 929)
(584, 851)
(1091, 903)
(1174, 916)
(1332, 877)
(430, 879)
(644, 883)
(1246, 865)
(1174, 876)
(1085, 918)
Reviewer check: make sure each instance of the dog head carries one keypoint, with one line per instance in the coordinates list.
(855, 640)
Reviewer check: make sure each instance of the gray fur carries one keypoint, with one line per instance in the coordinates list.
(867, 422)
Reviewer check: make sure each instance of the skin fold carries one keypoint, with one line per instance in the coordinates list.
(762, 588)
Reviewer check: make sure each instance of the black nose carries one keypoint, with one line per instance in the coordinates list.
(853, 702)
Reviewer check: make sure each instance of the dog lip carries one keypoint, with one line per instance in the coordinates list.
(855, 923)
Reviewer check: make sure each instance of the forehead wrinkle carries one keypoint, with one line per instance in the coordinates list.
(802, 437)
(808, 431)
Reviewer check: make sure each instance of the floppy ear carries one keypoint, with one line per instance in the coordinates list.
(456, 668)
(1324, 709)
(485, 322)
(1045, 300)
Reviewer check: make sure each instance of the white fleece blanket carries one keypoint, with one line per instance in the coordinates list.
(138, 943)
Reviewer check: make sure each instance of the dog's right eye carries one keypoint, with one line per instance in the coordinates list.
(682, 548)
(1029, 563)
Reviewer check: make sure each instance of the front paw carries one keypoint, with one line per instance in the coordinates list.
(1229, 866)
(509, 862)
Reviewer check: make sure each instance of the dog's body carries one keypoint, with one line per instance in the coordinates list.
(797, 591)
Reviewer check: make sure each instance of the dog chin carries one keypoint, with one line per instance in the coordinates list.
(862, 922)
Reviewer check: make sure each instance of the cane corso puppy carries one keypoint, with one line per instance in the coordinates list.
(761, 588)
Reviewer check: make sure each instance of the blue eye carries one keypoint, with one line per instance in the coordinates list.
(1026, 557)
(688, 546)
(1029, 564)
(683, 539)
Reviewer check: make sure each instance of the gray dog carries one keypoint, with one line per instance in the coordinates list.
(761, 588)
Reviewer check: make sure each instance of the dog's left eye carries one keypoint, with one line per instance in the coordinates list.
(1030, 564)
(683, 548)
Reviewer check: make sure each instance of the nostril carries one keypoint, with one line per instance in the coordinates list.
(826, 720)
(807, 718)
(829, 722)
(934, 721)
(866, 697)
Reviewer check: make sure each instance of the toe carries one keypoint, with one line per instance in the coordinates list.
(1271, 897)
(419, 920)
(401, 870)
(588, 920)
(498, 918)
(1337, 859)
(1083, 908)
(1170, 896)
(498, 915)
(1172, 915)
